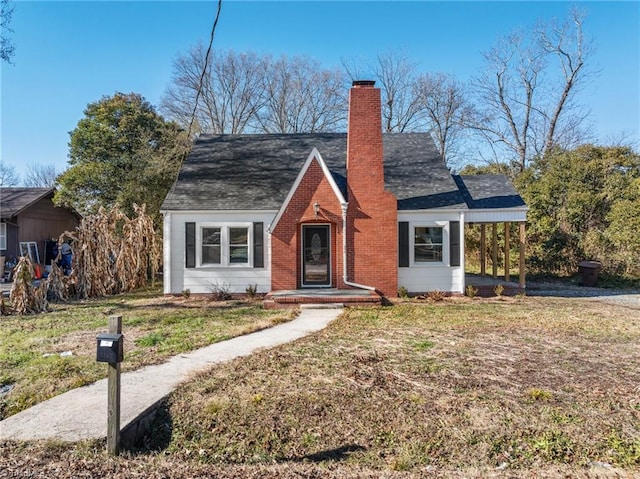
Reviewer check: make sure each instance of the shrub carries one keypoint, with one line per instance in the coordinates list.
(436, 295)
(252, 291)
(220, 292)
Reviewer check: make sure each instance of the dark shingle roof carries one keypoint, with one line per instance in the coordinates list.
(15, 200)
(488, 191)
(416, 174)
(248, 172)
(255, 172)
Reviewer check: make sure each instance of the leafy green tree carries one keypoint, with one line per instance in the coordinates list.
(584, 203)
(510, 170)
(623, 232)
(122, 152)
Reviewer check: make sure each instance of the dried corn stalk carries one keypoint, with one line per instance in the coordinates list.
(25, 296)
(57, 284)
(112, 253)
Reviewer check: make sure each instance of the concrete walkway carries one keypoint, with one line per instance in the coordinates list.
(82, 413)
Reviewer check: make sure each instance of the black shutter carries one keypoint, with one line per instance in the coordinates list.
(258, 245)
(454, 243)
(403, 244)
(190, 244)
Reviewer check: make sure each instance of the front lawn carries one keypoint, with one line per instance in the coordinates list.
(46, 354)
(503, 387)
(517, 384)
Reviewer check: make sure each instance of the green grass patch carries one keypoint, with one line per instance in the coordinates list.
(151, 339)
(425, 345)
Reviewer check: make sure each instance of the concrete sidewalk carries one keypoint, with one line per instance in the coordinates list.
(82, 413)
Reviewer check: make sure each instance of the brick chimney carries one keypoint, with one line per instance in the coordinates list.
(365, 168)
(372, 218)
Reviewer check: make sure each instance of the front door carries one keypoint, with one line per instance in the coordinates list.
(316, 256)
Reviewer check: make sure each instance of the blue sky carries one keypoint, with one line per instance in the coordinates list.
(69, 54)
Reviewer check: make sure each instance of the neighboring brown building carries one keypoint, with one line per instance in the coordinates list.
(28, 215)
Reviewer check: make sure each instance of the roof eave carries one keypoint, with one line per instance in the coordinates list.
(44, 194)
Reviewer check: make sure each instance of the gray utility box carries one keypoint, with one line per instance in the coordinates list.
(110, 348)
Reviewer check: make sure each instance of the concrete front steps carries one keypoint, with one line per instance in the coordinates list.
(322, 296)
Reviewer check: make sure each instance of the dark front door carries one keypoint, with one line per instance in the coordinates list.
(316, 255)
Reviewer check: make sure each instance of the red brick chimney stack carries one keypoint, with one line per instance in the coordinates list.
(372, 217)
(364, 140)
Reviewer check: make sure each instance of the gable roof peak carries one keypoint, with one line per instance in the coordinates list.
(314, 155)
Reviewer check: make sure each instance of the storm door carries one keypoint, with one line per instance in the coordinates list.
(316, 255)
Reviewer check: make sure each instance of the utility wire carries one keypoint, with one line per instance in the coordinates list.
(204, 69)
(199, 91)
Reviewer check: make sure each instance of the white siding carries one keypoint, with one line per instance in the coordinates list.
(496, 216)
(202, 279)
(424, 277)
(167, 273)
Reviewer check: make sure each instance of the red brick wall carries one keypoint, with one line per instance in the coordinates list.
(286, 238)
(372, 226)
(372, 218)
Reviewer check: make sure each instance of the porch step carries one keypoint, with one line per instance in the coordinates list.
(322, 306)
(316, 298)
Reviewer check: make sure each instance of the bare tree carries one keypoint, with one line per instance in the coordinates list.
(7, 48)
(396, 76)
(565, 42)
(523, 110)
(8, 176)
(231, 94)
(444, 101)
(40, 176)
(300, 96)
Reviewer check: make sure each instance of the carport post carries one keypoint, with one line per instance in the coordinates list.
(507, 247)
(523, 247)
(483, 252)
(494, 250)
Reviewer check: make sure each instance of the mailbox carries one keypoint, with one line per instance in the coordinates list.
(110, 348)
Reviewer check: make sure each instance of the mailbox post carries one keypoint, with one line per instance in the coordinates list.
(110, 349)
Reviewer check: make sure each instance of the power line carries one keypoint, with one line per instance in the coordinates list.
(204, 69)
(195, 105)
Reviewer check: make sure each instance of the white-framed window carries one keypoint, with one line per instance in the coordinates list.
(428, 244)
(3, 236)
(224, 245)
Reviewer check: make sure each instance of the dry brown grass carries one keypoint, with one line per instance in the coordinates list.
(519, 384)
(510, 387)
